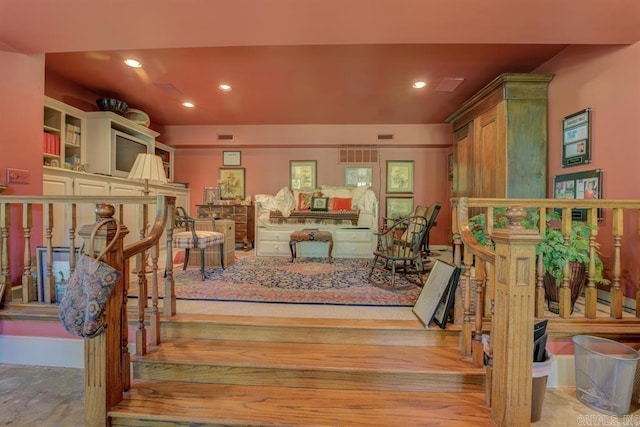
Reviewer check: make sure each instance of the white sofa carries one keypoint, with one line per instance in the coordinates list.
(352, 229)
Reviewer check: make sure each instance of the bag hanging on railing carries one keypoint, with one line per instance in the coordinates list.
(89, 288)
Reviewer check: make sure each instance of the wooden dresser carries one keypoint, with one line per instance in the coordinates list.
(242, 215)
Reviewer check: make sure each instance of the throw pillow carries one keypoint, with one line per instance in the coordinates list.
(319, 203)
(304, 200)
(340, 203)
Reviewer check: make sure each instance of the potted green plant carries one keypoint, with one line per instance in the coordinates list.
(554, 252)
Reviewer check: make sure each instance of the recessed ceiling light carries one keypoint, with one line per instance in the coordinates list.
(225, 87)
(132, 63)
(188, 104)
(419, 84)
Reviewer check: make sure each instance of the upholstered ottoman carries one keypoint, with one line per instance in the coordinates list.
(310, 236)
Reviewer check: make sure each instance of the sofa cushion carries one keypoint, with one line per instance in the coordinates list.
(340, 203)
(305, 199)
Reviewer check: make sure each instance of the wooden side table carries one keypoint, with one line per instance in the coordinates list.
(310, 236)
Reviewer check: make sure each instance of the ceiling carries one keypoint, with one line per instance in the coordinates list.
(311, 62)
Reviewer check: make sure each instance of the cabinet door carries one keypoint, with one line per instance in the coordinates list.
(87, 187)
(131, 214)
(59, 186)
(487, 154)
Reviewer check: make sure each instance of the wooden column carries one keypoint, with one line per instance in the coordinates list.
(103, 367)
(512, 334)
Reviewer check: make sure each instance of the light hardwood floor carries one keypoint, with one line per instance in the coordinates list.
(53, 397)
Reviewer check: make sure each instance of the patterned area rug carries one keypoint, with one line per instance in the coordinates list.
(306, 281)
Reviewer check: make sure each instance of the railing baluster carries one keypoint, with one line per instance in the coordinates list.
(591, 293)
(72, 235)
(49, 281)
(154, 322)
(565, 290)
(616, 292)
(540, 293)
(480, 283)
(28, 292)
(467, 284)
(5, 277)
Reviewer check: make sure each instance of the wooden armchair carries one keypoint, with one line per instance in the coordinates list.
(191, 238)
(399, 250)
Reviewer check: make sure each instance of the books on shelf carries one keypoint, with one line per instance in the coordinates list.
(72, 135)
(51, 144)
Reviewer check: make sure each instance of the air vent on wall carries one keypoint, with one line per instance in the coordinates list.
(225, 137)
(358, 154)
(383, 136)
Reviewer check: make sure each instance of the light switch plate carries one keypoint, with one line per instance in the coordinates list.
(17, 176)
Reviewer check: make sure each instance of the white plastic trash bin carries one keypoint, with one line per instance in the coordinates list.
(605, 373)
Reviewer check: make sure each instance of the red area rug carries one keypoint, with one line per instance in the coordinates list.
(306, 281)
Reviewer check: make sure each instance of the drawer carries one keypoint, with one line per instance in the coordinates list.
(274, 235)
(352, 235)
(239, 218)
(353, 250)
(274, 249)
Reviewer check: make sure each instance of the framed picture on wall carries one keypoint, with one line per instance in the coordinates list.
(579, 185)
(302, 174)
(231, 158)
(398, 207)
(358, 177)
(231, 183)
(400, 176)
(576, 138)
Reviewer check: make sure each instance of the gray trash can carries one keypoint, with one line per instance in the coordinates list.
(605, 373)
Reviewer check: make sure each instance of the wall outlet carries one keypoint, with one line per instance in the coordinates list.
(17, 176)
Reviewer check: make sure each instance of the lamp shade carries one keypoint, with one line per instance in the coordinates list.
(148, 167)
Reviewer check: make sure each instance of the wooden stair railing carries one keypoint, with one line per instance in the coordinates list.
(107, 360)
(509, 291)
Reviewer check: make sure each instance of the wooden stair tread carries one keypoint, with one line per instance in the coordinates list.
(316, 356)
(211, 404)
(377, 324)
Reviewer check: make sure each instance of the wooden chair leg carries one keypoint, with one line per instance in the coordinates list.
(202, 262)
(186, 259)
(222, 255)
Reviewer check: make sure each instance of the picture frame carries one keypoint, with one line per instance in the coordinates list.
(231, 158)
(320, 204)
(400, 176)
(450, 167)
(443, 311)
(60, 269)
(302, 174)
(398, 207)
(579, 185)
(576, 138)
(433, 292)
(210, 195)
(231, 183)
(358, 177)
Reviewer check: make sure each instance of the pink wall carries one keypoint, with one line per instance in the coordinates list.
(604, 78)
(22, 88)
(267, 164)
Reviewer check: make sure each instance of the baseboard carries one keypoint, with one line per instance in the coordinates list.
(42, 351)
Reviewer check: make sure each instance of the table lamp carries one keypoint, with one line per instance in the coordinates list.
(148, 167)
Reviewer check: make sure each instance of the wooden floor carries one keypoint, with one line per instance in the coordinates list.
(53, 397)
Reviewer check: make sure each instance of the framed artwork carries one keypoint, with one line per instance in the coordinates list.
(433, 291)
(60, 269)
(576, 138)
(231, 158)
(398, 207)
(400, 176)
(358, 177)
(450, 167)
(210, 195)
(302, 174)
(231, 183)
(443, 311)
(579, 185)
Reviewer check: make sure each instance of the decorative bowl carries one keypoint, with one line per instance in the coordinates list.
(112, 104)
(137, 116)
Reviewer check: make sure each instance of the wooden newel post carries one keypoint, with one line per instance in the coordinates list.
(103, 370)
(512, 334)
